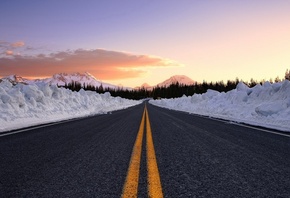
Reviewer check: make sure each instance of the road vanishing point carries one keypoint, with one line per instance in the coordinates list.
(144, 151)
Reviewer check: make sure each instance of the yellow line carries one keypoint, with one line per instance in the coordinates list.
(153, 180)
(130, 188)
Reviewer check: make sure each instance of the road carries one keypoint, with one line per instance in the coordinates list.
(195, 157)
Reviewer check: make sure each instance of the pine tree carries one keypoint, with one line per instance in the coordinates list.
(277, 79)
(101, 89)
(287, 74)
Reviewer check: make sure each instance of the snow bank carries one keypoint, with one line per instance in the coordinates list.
(266, 105)
(26, 105)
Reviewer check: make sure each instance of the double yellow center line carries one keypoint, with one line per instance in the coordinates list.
(130, 188)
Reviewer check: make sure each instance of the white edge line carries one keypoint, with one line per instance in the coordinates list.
(36, 127)
(229, 122)
(265, 130)
(247, 126)
(48, 124)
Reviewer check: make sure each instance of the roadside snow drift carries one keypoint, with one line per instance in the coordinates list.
(26, 105)
(266, 105)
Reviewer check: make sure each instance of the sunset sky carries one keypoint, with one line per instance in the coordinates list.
(131, 42)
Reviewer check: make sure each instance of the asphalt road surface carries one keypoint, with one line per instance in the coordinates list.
(195, 157)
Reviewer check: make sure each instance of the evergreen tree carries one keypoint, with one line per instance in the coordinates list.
(287, 74)
(172, 91)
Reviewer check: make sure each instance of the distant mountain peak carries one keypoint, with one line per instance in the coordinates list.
(65, 77)
(82, 78)
(15, 79)
(181, 79)
(145, 85)
(62, 79)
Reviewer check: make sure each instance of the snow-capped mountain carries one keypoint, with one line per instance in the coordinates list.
(181, 79)
(84, 79)
(62, 78)
(18, 79)
(87, 79)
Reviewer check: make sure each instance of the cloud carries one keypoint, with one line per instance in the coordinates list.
(9, 52)
(8, 49)
(104, 64)
(18, 44)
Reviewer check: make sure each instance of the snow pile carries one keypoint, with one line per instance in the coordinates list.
(24, 105)
(266, 105)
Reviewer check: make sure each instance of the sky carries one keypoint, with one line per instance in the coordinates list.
(131, 42)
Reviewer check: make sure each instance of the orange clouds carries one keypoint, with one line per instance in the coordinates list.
(18, 44)
(9, 52)
(107, 65)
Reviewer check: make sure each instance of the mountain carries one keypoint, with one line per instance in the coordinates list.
(17, 79)
(84, 79)
(62, 78)
(87, 79)
(144, 86)
(181, 79)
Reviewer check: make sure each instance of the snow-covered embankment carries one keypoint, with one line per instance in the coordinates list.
(266, 105)
(26, 105)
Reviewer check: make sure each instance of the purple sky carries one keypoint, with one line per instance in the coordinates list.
(203, 39)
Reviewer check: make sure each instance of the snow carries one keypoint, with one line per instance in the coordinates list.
(23, 105)
(62, 78)
(84, 79)
(266, 105)
(26, 103)
(181, 79)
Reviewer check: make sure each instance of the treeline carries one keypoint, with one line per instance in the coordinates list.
(135, 94)
(178, 90)
(172, 91)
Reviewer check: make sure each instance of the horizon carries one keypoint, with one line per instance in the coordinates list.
(271, 80)
(132, 43)
(87, 73)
